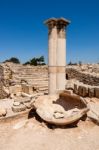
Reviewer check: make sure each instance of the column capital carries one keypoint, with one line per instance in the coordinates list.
(59, 22)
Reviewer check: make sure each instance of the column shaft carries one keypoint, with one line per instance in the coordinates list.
(61, 58)
(52, 59)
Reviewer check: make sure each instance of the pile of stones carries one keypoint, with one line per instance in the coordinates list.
(23, 103)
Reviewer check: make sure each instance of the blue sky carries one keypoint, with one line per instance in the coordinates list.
(23, 34)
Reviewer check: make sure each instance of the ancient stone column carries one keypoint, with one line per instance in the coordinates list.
(52, 48)
(61, 54)
(57, 54)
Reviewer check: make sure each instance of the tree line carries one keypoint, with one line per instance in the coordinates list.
(35, 61)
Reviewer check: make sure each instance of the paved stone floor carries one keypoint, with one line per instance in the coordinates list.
(33, 135)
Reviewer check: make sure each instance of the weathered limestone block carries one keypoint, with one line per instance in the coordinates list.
(28, 105)
(16, 103)
(19, 108)
(83, 90)
(69, 85)
(6, 90)
(91, 92)
(22, 100)
(15, 89)
(76, 88)
(97, 92)
(94, 111)
(27, 89)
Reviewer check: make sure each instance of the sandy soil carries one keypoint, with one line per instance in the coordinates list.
(34, 135)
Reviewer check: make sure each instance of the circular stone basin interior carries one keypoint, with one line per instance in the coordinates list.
(60, 109)
(68, 101)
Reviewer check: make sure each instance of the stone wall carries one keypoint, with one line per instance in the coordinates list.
(3, 94)
(1, 72)
(86, 78)
(82, 89)
(1, 77)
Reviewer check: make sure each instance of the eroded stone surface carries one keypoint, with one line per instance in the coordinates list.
(3, 111)
(19, 108)
(94, 111)
(97, 92)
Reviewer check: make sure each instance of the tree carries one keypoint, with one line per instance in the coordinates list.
(40, 60)
(13, 60)
(70, 63)
(36, 61)
(33, 61)
(27, 63)
(80, 63)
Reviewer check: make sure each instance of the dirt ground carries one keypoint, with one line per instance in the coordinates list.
(33, 135)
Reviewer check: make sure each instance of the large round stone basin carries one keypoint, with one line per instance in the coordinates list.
(60, 109)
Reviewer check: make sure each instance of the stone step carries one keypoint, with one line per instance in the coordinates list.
(35, 74)
(27, 75)
(37, 83)
(34, 77)
(32, 70)
(40, 86)
(31, 78)
(43, 90)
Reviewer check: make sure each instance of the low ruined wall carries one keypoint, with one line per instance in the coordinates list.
(86, 78)
(1, 77)
(1, 72)
(1, 82)
(82, 89)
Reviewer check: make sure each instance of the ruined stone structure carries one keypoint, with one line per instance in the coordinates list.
(83, 79)
(57, 53)
(3, 94)
(17, 78)
(83, 76)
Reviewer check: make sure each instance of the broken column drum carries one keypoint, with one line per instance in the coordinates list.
(57, 54)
